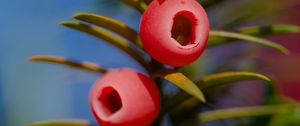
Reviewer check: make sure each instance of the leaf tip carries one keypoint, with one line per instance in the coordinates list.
(186, 84)
(66, 23)
(286, 51)
(78, 15)
(202, 98)
(63, 23)
(266, 78)
(34, 58)
(31, 58)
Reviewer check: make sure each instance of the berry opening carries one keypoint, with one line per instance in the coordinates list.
(183, 29)
(111, 100)
(161, 1)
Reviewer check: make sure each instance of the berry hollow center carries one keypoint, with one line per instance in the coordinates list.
(183, 29)
(111, 100)
(161, 1)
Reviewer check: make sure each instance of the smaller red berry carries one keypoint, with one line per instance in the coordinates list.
(125, 97)
(174, 32)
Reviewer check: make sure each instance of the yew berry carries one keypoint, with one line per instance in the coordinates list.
(174, 32)
(125, 97)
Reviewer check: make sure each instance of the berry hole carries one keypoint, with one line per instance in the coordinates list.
(161, 1)
(110, 100)
(183, 29)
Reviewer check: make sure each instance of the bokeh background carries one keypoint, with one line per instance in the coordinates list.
(32, 91)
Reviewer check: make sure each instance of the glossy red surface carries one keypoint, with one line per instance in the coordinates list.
(174, 32)
(125, 97)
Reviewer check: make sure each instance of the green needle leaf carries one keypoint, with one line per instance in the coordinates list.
(108, 37)
(214, 80)
(140, 5)
(269, 30)
(62, 123)
(64, 61)
(228, 78)
(241, 112)
(110, 24)
(185, 84)
(218, 37)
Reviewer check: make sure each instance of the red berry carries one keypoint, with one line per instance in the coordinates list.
(125, 97)
(174, 32)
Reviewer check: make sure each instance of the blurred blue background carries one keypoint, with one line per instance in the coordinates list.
(32, 91)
